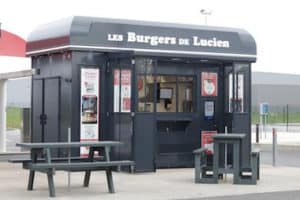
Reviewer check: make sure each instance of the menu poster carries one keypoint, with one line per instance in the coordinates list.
(209, 84)
(207, 141)
(89, 119)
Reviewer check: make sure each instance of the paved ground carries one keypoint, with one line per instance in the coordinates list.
(164, 184)
(281, 182)
(290, 195)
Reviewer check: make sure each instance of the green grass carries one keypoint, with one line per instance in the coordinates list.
(274, 118)
(13, 117)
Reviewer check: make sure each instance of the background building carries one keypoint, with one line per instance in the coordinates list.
(281, 91)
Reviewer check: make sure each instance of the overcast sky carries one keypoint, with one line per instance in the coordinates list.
(274, 24)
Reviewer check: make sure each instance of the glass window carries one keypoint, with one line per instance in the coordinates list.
(145, 93)
(166, 94)
(242, 79)
(185, 94)
(145, 84)
(236, 90)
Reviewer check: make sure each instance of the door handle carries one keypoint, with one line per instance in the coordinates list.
(43, 119)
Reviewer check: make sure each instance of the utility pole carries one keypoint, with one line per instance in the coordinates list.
(205, 13)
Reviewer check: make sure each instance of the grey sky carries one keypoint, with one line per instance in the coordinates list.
(274, 24)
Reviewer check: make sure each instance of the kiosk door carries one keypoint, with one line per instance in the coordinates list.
(46, 110)
(119, 114)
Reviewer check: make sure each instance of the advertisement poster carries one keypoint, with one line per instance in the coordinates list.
(209, 109)
(126, 91)
(240, 93)
(207, 141)
(209, 84)
(122, 98)
(116, 90)
(89, 107)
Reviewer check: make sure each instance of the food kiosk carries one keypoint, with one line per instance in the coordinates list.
(160, 88)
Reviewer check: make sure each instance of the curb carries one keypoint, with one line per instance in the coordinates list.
(268, 147)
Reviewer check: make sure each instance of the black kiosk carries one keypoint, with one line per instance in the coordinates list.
(160, 88)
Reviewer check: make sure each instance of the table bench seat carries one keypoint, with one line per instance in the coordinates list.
(84, 166)
(61, 159)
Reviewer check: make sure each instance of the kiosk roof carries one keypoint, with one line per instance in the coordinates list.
(142, 38)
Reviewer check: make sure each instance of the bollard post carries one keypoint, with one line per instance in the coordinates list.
(287, 118)
(257, 133)
(274, 131)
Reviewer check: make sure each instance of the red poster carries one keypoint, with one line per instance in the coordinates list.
(116, 77)
(207, 141)
(209, 86)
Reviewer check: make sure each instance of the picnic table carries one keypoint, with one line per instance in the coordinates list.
(210, 174)
(236, 141)
(48, 164)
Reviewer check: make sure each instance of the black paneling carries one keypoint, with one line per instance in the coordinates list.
(37, 110)
(51, 110)
(144, 142)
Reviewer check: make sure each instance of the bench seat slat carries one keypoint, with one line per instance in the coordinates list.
(82, 166)
(22, 160)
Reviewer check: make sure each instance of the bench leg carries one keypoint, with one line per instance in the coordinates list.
(110, 182)
(197, 168)
(51, 184)
(31, 180)
(87, 179)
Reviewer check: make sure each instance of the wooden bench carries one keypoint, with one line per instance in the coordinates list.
(49, 165)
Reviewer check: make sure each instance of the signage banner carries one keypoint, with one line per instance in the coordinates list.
(207, 141)
(209, 84)
(165, 38)
(89, 128)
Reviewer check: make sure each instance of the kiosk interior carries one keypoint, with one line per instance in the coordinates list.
(157, 87)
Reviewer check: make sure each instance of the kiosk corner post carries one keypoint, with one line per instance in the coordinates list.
(274, 133)
(69, 159)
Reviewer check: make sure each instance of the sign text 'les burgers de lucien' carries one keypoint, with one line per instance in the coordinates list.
(154, 40)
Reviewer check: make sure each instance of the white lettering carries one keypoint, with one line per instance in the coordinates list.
(114, 37)
(131, 37)
(154, 40)
(148, 39)
(201, 42)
